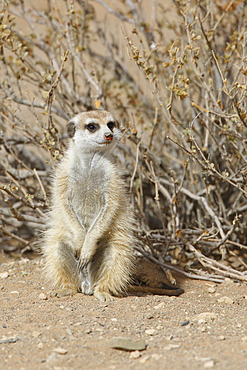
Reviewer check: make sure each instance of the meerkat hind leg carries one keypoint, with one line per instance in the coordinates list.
(110, 271)
(63, 271)
(99, 274)
(103, 296)
(64, 292)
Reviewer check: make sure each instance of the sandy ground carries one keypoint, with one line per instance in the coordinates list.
(203, 328)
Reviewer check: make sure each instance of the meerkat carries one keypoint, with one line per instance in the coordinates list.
(89, 243)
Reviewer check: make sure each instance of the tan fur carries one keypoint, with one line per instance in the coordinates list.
(88, 244)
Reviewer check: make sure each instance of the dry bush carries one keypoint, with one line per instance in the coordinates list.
(174, 73)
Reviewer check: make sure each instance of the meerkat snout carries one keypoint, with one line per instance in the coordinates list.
(108, 137)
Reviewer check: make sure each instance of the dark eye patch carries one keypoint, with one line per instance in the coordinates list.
(111, 125)
(92, 127)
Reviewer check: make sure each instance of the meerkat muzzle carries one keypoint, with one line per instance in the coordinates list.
(108, 137)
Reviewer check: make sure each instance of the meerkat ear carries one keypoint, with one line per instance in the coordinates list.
(71, 127)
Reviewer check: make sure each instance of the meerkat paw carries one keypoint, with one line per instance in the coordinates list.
(59, 293)
(103, 296)
(86, 280)
(84, 261)
(86, 287)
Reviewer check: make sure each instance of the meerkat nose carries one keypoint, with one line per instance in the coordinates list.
(108, 136)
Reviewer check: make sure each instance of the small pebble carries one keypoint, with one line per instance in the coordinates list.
(4, 275)
(150, 331)
(68, 331)
(171, 346)
(40, 346)
(186, 322)
(209, 364)
(134, 355)
(221, 337)
(205, 316)
(201, 321)
(60, 351)
(229, 281)
(36, 334)
(225, 300)
(79, 324)
(211, 290)
(9, 340)
(127, 344)
(159, 306)
(43, 296)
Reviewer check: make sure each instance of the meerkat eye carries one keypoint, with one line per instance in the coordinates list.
(111, 125)
(92, 127)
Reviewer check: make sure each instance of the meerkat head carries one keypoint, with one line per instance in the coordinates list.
(93, 130)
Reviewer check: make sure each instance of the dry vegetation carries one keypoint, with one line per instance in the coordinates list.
(174, 73)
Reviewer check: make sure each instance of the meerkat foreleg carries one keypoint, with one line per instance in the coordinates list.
(90, 244)
(111, 269)
(90, 247)
(88, 251)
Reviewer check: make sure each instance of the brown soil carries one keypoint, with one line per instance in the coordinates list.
(39, 332)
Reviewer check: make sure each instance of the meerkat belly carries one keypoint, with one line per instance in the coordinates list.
(87, 199)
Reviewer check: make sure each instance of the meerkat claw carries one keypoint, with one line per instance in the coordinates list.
(83, 265)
